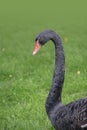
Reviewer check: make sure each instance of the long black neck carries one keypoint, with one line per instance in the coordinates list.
(54, 96)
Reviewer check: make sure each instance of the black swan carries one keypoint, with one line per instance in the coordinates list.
(72, 116)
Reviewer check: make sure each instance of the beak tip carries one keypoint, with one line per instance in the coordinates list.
(33, 53)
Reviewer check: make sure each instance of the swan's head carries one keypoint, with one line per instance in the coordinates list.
(41, 39)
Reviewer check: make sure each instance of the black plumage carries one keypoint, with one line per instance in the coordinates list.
(72, 116)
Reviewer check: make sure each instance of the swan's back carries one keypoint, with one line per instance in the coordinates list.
(70, 117)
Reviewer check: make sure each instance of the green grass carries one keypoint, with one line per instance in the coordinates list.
(25, 79)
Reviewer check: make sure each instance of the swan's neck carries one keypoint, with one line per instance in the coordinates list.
(54, 96)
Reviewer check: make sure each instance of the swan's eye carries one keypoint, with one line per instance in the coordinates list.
(36, 39)
(39, 40)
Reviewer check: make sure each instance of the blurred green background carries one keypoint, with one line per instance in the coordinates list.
(25, 80)
(43, 13)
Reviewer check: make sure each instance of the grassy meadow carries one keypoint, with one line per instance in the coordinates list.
(25, 79)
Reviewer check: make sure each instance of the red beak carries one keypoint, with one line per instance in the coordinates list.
(37, 47)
